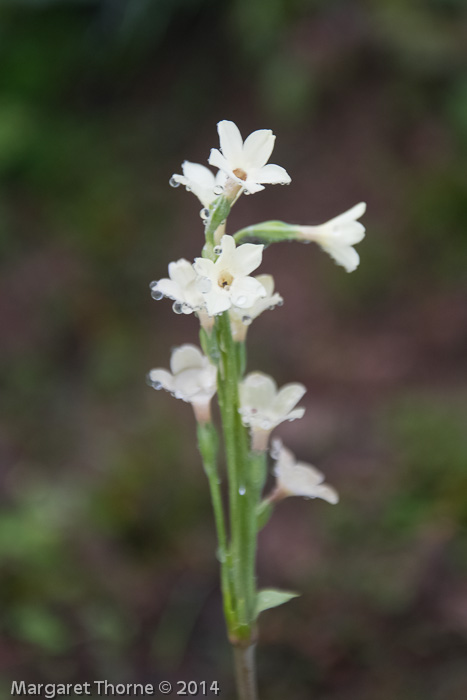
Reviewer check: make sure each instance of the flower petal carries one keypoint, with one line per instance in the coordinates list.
(228, 254)
(198, 173)
(351, 214)
(186, 357)
(251, 186)
(327, 493)
(296, 414)
(231, 142)
(247, 258)
(257, 148)
(205, 268)
(271, 175)
(343, 255)
(268, 283)
(160, 377)
(217, 301)
(182, 272)
(170, 289)
(245, 291)
(257, 391)
(288, 397)
(219, 161)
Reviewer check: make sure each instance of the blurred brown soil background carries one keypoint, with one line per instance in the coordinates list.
(106, 536)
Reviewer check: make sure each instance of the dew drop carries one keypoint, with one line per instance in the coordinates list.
(218, 189)
(173, 182)
(177, 307)
(246, 192)
(280, 302)
(156, 294)
(155, 385)
(204, 213)
(186, 309)
(204, 285)
(241, 301)
(246, 320)
(188, 189)
(242, 490)
(221, 556)
(217, 250)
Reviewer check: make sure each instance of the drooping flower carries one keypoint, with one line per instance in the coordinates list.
(263, 406)
(298, 478)
(240, 319)
(245, 162)
(201, 181)
(338, 235)
(226, 282)
(181, 286)
(192, 378)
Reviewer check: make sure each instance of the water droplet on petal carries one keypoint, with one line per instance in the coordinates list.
(241, 300)
(186, 309)
(280, 302)
(246, 320)
(246, 192)
(155, 293)
(177, 307)
(153, 384)
(217, 250)
(173, 182)
(204, 285)
(218, 189)
(188, 188)
(204, 213)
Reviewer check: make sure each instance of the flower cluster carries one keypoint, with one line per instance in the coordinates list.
(219, 287)
(220, 283)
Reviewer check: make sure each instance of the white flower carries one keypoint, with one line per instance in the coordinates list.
(201, 181)
(245, 162)
(338, 235)
(263, 407)
(192, 379)
(182, 287)
(297, 478)
(240, 319)
(226, 282)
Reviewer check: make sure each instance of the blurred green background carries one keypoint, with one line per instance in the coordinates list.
(106, 536)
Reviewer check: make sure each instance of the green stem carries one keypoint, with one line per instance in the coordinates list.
(208, 445)
(239, 488)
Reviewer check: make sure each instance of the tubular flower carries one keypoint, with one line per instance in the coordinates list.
(240, 319)
(181, 286)
(226, 282)
(338, 235)
(201, 181)
(192, 378)
(297, 478)
(245, 162)
(263, 407)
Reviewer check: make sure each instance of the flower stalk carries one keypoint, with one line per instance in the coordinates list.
(219, 289)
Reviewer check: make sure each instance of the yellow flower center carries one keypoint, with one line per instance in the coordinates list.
(225, 279)
(241, 174)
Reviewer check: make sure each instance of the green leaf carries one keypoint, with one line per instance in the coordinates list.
(271, 598)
